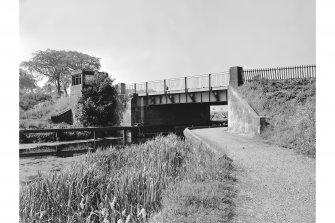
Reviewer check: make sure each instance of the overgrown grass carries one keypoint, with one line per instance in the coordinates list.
(45, 109)
(290, 106)
(164, 180)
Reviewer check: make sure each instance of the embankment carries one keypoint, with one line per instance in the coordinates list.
(289, 106)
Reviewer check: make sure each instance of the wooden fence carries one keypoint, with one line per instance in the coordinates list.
(93, 130)
(280, 73)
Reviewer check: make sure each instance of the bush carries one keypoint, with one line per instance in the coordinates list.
(28, 101)
(99, 104)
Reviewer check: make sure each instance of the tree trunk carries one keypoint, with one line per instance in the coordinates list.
(65, 91)
(59, 92)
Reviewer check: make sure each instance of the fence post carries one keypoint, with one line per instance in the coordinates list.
(124, 136)
(146, 88)
(94, 138)
(209, 81)
(185, 84)
(164, 86)
(135, 88)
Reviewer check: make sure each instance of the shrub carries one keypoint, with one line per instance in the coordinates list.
(28, 101)
(99, 104)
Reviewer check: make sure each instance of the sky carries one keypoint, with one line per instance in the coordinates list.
(143, 40)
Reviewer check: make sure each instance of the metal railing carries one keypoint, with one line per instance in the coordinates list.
(280, 73)
(203, 82)
(199, 82)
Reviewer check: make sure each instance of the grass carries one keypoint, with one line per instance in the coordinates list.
(165, 179)
(46, 109)
(290, 107)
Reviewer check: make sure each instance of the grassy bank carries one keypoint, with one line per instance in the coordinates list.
(40, 115)
(164, 179)
(290, 106)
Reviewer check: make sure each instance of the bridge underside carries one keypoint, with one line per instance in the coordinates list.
(213, 96)
(176, 109)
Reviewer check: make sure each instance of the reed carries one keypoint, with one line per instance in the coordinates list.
(117, 185)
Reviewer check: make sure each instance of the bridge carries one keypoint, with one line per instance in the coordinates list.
(186, 101)
(183, 101)
(192, 89)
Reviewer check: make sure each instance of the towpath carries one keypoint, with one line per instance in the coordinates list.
(274, 184)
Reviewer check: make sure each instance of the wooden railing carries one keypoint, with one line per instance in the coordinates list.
(93, 130)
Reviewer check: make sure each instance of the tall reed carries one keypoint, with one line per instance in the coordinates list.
(118, 185)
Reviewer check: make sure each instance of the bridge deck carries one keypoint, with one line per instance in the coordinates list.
(197, 83)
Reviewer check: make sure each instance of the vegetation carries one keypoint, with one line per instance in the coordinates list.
(166, 178)
(30, 100)
(99, 104)
(44, 107)
(290, 107)
(56, 66)
(27, 82)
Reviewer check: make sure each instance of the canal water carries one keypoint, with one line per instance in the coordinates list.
(46, 159)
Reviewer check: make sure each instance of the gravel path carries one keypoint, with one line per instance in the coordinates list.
(274, 184)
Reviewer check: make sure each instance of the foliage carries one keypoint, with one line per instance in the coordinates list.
(290, 107)
(51, 136)
(129, 185)
(27, 83)
(47, 89)
(99, 104)
(44, 109)
(30, 100)
(34, 124)
(58, 65)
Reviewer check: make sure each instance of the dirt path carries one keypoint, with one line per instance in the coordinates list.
(274, 184)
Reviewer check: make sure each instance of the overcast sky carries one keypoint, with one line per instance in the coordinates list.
(142, 40)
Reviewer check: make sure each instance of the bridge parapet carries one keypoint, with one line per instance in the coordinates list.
(204, 82)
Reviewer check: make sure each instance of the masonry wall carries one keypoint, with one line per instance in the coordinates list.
(75, 94)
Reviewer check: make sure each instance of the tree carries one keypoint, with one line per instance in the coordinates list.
(58, 65)
(100, 104)
(27, 82)
(47, 89)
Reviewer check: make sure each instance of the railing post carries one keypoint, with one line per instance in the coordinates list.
(124, 136)
(164, 86)
(94, 138)
(146, 88)
(135, 88)
(209, 81)
(185, 84)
